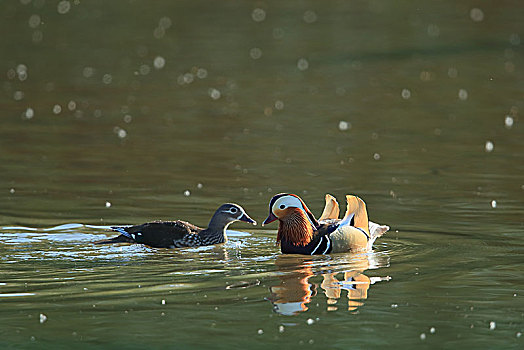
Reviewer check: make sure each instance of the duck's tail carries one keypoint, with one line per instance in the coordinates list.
(331, 210)
(123, 238)
(117, 239)
(376, 231)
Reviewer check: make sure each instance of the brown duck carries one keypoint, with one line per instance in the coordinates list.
(299, 232)
(177, 234)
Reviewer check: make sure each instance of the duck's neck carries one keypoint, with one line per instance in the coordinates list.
(295, 228)
(216, 231)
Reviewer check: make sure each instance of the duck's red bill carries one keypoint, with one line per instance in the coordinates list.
(269, 219)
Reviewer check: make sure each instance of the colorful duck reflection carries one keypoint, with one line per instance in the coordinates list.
(297, 289)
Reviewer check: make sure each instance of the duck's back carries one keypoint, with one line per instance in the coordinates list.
(163, 234)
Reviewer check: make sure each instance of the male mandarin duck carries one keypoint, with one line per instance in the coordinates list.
(177, 234)
(300, 233)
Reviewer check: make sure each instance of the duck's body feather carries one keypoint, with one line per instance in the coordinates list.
(178, 234)
(300, 233)
(168, 234)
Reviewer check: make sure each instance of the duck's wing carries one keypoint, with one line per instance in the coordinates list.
(331, 209)
(158, 234)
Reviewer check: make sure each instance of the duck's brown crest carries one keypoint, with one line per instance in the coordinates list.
(295, 228)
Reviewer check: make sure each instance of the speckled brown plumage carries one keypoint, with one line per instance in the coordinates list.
(177, 234)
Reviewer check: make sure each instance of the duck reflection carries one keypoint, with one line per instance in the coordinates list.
(296, 288)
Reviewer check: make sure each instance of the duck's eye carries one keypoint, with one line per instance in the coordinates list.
(233, 210)
(282, 206)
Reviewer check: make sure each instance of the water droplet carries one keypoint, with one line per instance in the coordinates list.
(302, 64)
(159, 32)
(188, 78)
(63, 7)
(165, 22)
(343, 125)
(214, 93)
(423, 336)
(258, 15)
(426, 76)
(452, 72)
(57, 109)
(514, 39)
(278, 33)
(406, 94)
(122, 133)
(432, 330)
(493, 203)
(34, 21)
(187, 193)
(310, 17)
(71, 105)
(37, 36)
(260, 331)
(492, 325)
(255, 53)
(43, 318)
(463, 94)
(11, 74)
(433, 30)
(159, 62)
(88, 72)
(508, 122)
(201, 73)
(108, 204)
(18, 95)
(489, 146)
(144, 69)
(107, 79)
(476, 14)
(279, 105)
(29, 113)
(310, 321)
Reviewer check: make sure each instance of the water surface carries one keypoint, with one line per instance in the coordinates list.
(123, 112)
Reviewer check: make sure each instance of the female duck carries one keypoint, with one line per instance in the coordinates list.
(177, 234)
(300, 233)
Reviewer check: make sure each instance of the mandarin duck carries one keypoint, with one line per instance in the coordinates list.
(177, 234)
(299, 232)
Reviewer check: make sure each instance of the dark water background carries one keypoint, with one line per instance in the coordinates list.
(121, 112)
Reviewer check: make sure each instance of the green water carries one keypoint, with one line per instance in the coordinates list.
(121, 112)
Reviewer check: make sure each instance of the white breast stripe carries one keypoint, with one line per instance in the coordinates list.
(328, 245)
(318, 245)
